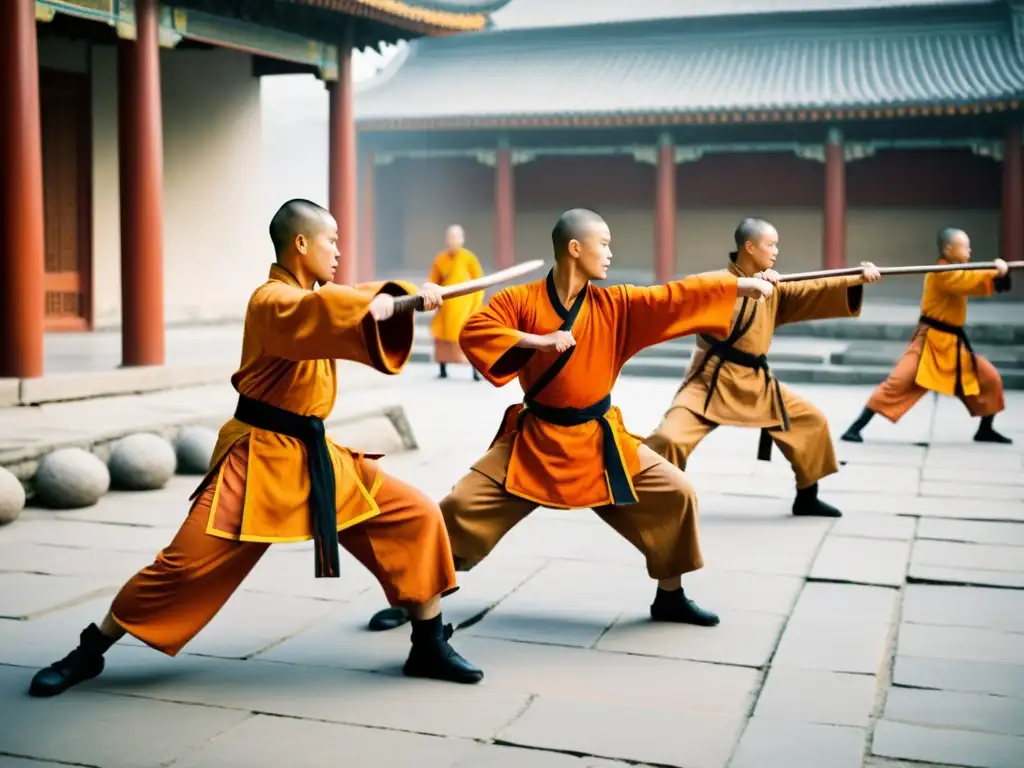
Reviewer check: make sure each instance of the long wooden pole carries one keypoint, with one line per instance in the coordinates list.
(919, 269)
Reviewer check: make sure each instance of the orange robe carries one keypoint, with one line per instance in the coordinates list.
(937, 359)
(257, 491)
(718, 392)
(451, 269)
(560, 466)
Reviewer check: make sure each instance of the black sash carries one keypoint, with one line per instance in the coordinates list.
(962, 342)
(618, 478)
(322, 499)
(726, 352)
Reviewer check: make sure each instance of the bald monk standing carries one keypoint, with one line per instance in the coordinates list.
(939, 357)
(454, 265)
(729, 382)
(276, 477)
(566, 446)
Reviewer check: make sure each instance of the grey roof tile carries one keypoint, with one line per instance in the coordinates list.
(831, 60)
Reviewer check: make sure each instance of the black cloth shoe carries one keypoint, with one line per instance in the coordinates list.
(476, 375)
(676, 607)
(807, 504)
(444, 371)
(852, 435)
(83, 663)
(431, 655)
(389, 618)
(987, 434)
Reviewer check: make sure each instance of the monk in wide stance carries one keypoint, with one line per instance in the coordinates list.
(276, 477)
(729, 382)
(939, 357)
(454, 265)
(566, 446)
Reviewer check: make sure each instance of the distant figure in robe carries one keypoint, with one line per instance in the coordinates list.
(454, 265)
(940, 357)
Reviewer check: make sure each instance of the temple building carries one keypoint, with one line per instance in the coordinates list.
(859, 127)
(130, 154)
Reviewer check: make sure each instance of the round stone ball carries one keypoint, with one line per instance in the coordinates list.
(194, 447)
(70, 478)
(141, 462)
(12, 497)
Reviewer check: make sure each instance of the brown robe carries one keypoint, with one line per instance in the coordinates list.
(717, 392)
(589, 459)
(257, 492)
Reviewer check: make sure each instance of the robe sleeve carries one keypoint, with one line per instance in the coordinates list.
(490, 336)
(435, 275)
(695, 304)
(976, 283)
(823, 299)
(333, 322)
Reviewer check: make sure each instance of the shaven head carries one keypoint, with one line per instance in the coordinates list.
(583, 236)
(454, 238)
(954, 245)
(305, 238)
(757, 244)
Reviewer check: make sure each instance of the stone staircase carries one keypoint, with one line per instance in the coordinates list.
(858, 351)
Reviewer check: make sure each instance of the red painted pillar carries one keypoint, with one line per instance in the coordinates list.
(665, 213)
(1013, 196)
(343, 163)
(141, 158)
(835, 202)
(368, 222)
(22, 250)
(504, 210)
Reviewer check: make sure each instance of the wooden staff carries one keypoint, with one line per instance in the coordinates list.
(919, 269)
(415, 302)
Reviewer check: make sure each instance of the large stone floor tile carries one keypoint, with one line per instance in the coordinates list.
(871, 526)
(930, 507)
(251, 622)
(164, 508)
(957, 489)
(973, 577)
(973, 531)
(663, 736)
(784, 545)
(742, 591)
(99, 730)
(1001, 609)
(744, 638)
(891, 478)
(974, 477)
(496, 756)
(846, 602)
(546, 537)
(834, 645)
(276, 742)
(953, 709)
(90, 536)
(953, 675)
(41, 641)
(816, 696)
(770, 743)
(951, 554)
(26, 557)
(27, 595)
(862, 561)
(288, 571)
(318, 693)
(960, 643)
(6, 761)
(947, 746)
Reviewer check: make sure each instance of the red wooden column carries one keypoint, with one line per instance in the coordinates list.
(834, 251)
(504, 210)
(22, 250)
(665, 212)
(342, 175)
(1013, 196)
(141, 158)
(368, 220)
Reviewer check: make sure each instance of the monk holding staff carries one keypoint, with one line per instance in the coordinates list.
(453, 265)
(566, 446)
(940, 357)
(275, 476)
(729, 382)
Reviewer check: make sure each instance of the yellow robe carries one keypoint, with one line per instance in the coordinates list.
(291, 341)
(451, 269)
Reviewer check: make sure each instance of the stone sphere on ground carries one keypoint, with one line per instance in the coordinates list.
(70, 478)
(194, 447)
(141, 462)
(12, 497)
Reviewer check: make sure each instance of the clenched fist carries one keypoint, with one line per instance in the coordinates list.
(382, 307)
(431, 294)
(559, 341)
(871, 273)
(754, 288)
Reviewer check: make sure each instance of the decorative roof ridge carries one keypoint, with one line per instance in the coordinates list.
(406, 53)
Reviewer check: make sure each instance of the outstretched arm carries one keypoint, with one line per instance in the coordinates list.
(491, 338)
(827, 298)
(974, 283)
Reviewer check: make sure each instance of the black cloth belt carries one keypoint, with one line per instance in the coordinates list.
(618, 477)
(962, 342)
(322, 491)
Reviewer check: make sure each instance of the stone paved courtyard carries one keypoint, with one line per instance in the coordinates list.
(842, 644)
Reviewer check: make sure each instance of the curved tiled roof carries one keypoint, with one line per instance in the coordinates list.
(842, 60)
(453, 15)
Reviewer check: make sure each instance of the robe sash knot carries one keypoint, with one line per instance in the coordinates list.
(322, 502)
(726, 352)
(962, 342)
